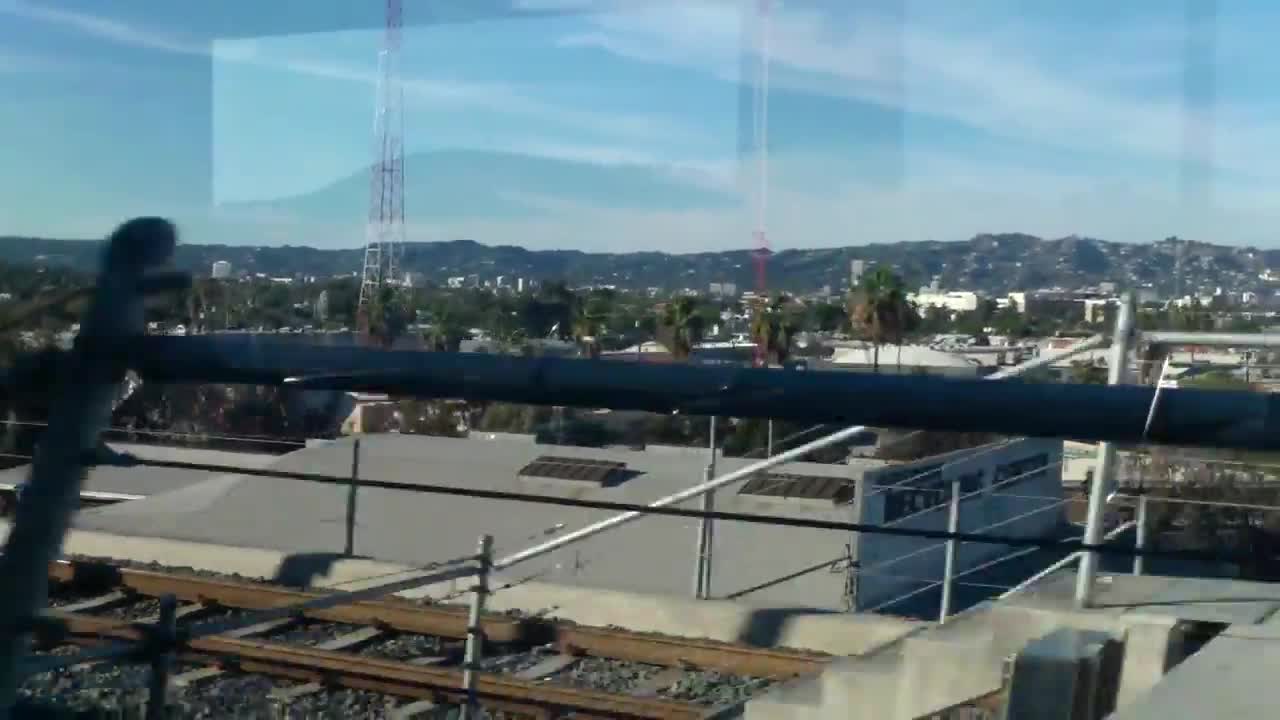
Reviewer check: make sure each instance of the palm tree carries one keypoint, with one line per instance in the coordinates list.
(588, 321)
(772, 331)
(681, 327)
(880, 311)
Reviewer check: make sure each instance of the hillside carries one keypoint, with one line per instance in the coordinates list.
(992, 263)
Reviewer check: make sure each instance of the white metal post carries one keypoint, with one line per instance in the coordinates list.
(949, 563)
(1140, 533)
(1102, 476)
(475, 634)
(349, 548)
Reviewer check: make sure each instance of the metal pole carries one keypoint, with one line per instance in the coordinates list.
(949, 563)
(1140, 533)
(475, 634)
(1102, 476)
(700, 589)
(711, 445)
(166, 630)
(1254, 340)
(1090, 343)
(695, 491)
(350, 548)
(768, 443)
(87, 386)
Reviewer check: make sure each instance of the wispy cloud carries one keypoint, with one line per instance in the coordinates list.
(1070, 88)
(493, 97)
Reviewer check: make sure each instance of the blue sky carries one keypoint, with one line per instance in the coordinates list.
(627, 125)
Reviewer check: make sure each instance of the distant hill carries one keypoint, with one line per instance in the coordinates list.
(992, 263)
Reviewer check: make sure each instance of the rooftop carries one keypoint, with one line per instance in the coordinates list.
(652, 555)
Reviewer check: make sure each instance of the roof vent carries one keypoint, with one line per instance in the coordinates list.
(601, 473)
(820, 489)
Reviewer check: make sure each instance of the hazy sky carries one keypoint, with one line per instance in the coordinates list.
(628, 126)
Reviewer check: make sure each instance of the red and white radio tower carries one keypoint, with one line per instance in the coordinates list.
(384, 232)
(760, 134)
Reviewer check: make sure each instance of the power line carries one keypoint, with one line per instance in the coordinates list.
(775, 520)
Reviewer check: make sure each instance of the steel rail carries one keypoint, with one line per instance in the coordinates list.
(407, 616)
(354, 671)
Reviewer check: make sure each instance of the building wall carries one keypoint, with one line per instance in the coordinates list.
(893, 566)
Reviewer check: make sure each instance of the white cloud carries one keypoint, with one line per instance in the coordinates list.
(1087, 91)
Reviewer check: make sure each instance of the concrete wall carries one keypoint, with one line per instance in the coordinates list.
(892, 566)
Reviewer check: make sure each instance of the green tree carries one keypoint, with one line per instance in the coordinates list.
(588, 323)
(880, 312)
(681, 327)
(772, 331)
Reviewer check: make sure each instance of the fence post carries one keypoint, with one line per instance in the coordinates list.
(349, 549)
(1118, 364)
(475, 634)
(702, 573)
(768, 447)
(1140, 533)
(166, 630)
(949, 561)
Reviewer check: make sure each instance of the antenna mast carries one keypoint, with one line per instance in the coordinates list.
(384, 231)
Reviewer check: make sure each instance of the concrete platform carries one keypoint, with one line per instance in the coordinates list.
(727, 621)
(937, 667)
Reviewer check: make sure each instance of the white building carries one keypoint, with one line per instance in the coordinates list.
(221, 270)
(953, 300)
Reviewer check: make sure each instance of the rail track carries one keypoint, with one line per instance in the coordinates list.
(406, 650)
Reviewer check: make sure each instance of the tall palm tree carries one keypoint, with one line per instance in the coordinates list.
(681, 327)
(588, 321)
(772, 331)
(880, 311)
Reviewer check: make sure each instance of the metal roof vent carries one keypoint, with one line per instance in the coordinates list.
(585, 471)
(818, 489)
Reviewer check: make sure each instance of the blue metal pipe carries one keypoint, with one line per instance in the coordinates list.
(1242, 420)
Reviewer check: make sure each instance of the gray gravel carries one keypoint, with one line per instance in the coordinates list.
(245, 696)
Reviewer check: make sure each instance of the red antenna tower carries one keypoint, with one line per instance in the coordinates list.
(760, 134)
(384, 232)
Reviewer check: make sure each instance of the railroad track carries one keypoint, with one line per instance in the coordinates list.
(397, 648)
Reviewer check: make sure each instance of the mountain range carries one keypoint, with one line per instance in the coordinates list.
(993, 263)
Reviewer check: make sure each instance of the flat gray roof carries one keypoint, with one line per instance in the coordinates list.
(654, 554)
(152, 481)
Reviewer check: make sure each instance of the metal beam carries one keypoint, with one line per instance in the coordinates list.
(1186, 417)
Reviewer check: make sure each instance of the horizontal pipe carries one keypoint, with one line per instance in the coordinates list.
(1048, 358)
(1250, 340)
(1186, 417)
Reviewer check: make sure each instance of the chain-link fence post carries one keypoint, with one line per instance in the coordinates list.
(166, 635)
(475, 634)
(1140, 533)
(349, 548)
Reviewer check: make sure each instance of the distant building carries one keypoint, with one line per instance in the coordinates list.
(857, 268)
(322, 306)
(519, 284)
(954, 300)
(221, 270)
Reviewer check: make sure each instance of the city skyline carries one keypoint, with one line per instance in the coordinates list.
(623, 130)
